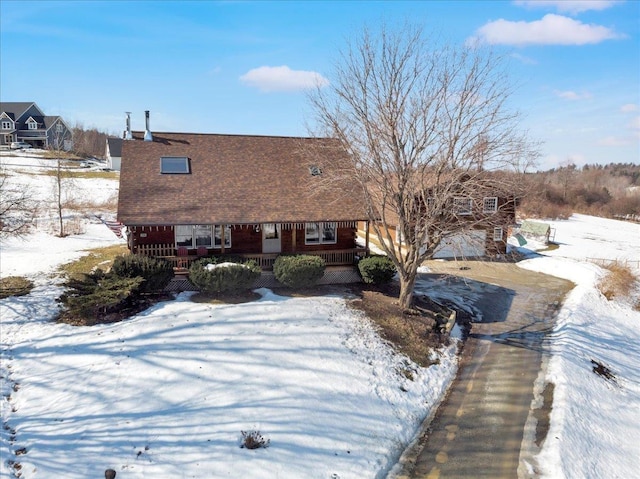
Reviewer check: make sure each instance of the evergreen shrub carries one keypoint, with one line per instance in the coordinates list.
(376, 269)
(235, 276)
(90, 298)
(298, 271)
(156, 272)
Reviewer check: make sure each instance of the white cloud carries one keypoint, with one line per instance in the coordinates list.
(569, 6)
(282, 78)
(629, 107)
(524, 59)
(572, 95)
(550, 30)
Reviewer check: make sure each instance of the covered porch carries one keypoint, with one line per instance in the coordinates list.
(182, 259)
(333, 241)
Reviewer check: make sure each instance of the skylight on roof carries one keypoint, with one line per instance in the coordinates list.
(315, 170)
(174, 165)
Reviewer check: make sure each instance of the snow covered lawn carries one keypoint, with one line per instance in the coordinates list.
(168, 392)
(595, 422)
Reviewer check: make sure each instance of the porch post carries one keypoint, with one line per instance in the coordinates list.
(222, 238)
(293, 237)
(366, 229)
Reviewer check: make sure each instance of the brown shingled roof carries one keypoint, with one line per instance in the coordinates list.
(235, 179)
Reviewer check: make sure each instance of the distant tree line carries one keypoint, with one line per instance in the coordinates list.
(89, 142)
(602, 190)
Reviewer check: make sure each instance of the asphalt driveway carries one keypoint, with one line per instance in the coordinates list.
(486, 427)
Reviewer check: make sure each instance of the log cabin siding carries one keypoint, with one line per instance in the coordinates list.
(245, 239)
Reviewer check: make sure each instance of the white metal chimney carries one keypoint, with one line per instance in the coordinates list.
(127, 133)
(147, 132)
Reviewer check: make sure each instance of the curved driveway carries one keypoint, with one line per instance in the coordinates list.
(486, 427)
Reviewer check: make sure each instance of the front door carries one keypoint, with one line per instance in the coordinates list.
(271, 241)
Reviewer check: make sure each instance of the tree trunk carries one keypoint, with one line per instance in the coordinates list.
(407, 284)
(59, 198)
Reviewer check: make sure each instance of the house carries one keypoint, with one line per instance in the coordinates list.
(184, 195)
(478, 214)
(26, 122)
(113, 153)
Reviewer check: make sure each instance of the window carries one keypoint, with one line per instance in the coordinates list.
(497, 234)
(329, 233)
(6, 125)
(33, 125)
(174, 165)
(202, 234)
(312, 233)
(490, 205)
(270, 231)
(193, 236)
(59, 128)
(184, 235)
(217, 236)
(320, 233)
(462, 206)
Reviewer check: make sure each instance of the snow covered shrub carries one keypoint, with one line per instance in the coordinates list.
(298, 271)
(223, 275)
(253, 440)
(156, 272)
(91, 298)
(15, 286)
(376, 269)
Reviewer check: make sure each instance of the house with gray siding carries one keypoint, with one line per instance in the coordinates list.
(25, 121)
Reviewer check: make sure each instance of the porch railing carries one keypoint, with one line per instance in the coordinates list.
(264, 260)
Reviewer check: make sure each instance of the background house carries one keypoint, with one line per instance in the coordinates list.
(113, 153)
(254, 196)
(25, 121)
(479, 217)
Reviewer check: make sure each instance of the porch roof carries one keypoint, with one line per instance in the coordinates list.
(236, 179)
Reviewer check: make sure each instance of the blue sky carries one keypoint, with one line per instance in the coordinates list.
(242, 67)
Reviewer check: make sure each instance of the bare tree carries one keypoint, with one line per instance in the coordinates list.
(566, 174)
(63, 184)
(18, 208)
(427, 127)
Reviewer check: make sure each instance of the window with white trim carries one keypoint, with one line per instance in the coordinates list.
(462, 205)
(8, 139)
(174, 165)
(33, 125)
(490, 204)
(202, 235)
(320, 233)
(192, 236)
(270, 231)
(217, 238)
(59, 128)
(6, 124)
(497, 234)
(184, 235)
